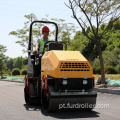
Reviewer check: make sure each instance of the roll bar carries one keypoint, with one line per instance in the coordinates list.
(30, 32)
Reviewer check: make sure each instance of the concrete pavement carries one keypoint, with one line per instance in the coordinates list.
(13, 107)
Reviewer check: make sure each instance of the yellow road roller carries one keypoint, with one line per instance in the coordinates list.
(58, 79)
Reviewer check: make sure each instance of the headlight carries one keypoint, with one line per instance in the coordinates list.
(64, 82)
(85, 82)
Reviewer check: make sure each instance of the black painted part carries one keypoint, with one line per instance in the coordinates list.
(73, 95)
(36, 87)
(54, 104)
(31, 80)
(53, 46)
(64, 98)
(31, 65)
(73, 84)
(34, 70)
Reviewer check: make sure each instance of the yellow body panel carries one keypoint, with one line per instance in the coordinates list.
(72, 64)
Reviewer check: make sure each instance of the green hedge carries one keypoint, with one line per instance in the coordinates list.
(108, 70)
(24, 72)
(96, 70)
(111, 70)
(15, 71)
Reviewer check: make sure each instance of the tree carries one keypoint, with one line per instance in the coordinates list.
(79, 42)
(65, 31)
(17, 62)
(22, 34)
(2, 57)
(25, 61)
(84, 45)
(95, 11)
(9, 64)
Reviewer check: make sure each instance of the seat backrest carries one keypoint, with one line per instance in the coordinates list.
(54, 46)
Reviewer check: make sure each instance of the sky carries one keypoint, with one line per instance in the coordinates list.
(12, 18)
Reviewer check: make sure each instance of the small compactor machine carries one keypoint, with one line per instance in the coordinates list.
(58, 79)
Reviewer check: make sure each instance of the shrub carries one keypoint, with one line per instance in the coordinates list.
(97, 70)
(94, 70)
(24, 72)
(6, 75)
(110, 70)
(9, 73)
(15, 71)
(118, 68)
(96, 62)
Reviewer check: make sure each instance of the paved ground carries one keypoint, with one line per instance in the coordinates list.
(111, 90)
(13, 107)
